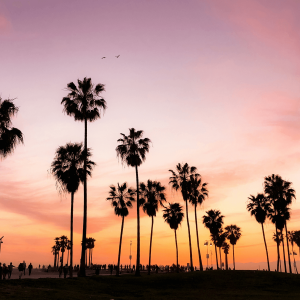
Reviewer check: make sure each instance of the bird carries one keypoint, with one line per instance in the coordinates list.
(103, 57)
(117, 56)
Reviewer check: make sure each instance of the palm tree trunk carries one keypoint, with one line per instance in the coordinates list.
(263, 231)
(176, 251)
(68, 258)
(216, 257)
(233, 257)
(54, 259)
(82, 261)
(120, 245)
(288, 248)
(199, 254)
(62, 259)
(190, 242)
(137, 269)
(283, 255)
(226, 261)
(150, 245)
(220, 258)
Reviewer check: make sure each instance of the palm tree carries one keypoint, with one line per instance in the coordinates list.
(233, 235)
(296, 239)
(280, 195)
(213, 220)
(63, 247)
(57, 244)
(68, 170)
(180, 181)
(259, 207)
(9, 136)
(220, 240)
(278, 238)
(197, 194)
(132, 151)
(84, 103)
(225, 248)
(121, 199)
(54, 254)
(173, 215)
(152, 194)
(291, 238)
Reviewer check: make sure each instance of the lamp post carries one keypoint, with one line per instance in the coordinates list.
(130, 256)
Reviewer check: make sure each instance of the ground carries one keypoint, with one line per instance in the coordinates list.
(197, 285)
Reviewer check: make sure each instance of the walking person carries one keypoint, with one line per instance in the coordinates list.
(1, 269)
(24, 266)
(4, 271)
(10, 267)
(21, 269)
(29, 268)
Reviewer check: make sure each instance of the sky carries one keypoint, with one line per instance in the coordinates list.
(213, 83)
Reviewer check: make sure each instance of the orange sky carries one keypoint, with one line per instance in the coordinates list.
(212, 84)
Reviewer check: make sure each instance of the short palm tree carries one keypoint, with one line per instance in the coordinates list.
(278, 239)
(152, 195)
(213, 220)
(68, 170)
(132, 151)
(233, 235)
(197, 194)
(259, 207)
(180, 181)
(280, 195)
(221, 238)
(84, 103)
(225, 248)
(291, 238)
(9, 136)
(121, 198)
(173, 215)
(63, 246)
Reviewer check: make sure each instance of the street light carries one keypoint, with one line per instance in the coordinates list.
(207, 255)
(130, 256)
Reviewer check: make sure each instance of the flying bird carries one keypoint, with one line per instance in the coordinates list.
(103, 57)
(117, 56)
(1, 242)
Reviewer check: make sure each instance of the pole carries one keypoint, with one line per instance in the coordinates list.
(130, 254)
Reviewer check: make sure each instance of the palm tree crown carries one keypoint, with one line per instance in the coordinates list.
(213, 220)
(258, 207)
(9, 136)
(84, 102)
(121, 198)
(197, 190)
(173, 215)
(67, 166)
(133, 148)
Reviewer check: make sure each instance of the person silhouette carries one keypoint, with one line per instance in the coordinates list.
(1, 271)
(10, 267)
(24, 266)
(29, 268)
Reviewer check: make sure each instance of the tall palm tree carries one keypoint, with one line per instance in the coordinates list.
(84, 103)
(197, 194)
(213, 220)
(173, 215)
(180, 181)
(280, 195)
(152, 194)
(121, 198)
(233, 235)
(68, 170)
(259, 207)
(9, 136)
(132, 151)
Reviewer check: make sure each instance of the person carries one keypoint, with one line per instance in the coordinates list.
(4, 271)
(39, 266)
(66, 269)
(20, 268)
(24, 266)
(10, 267)
(59, 271)
(29, 268)
(1, 269)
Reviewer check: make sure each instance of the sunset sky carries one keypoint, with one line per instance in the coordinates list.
(212, 83)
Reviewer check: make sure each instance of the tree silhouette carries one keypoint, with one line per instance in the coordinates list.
(180, 181)
(9, 136)
(152, 194)
(68, 170)
(132, 151)
(296, 238)
(278, 238)
(225, 248)
(259, 207)
(291, 238)
(197, 194)
(84, 103)
(280, 194)
(213, 220)
(63, 242)
(220, 240)
(233, 235)
(121, 199)
(173, 215)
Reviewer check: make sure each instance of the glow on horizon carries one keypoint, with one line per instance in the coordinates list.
(210, 84)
